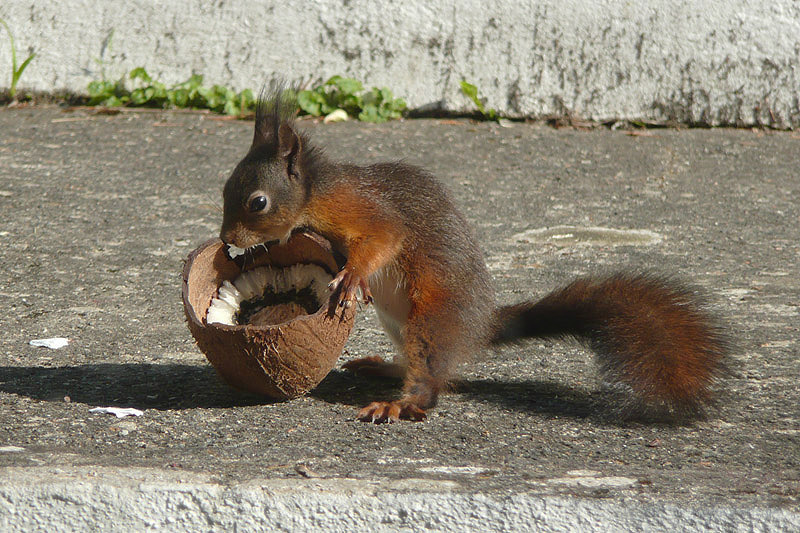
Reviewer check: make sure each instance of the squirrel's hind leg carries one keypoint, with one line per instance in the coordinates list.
(428, 347)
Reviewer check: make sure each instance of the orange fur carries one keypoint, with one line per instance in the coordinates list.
(396, 222)
(351, 221)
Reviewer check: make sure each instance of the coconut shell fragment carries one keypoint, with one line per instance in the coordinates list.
(284, 351)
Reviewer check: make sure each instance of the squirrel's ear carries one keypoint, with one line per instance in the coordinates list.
(289, 143)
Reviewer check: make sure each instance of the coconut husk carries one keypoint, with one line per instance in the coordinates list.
(281, 360)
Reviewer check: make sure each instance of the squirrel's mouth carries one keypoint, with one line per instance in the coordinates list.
(232, 251)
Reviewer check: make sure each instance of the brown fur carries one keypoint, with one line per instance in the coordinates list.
(649, 333)
(396, 221)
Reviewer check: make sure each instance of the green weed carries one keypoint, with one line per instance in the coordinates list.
(16, 72)
(147, 92)
(471, 92)
(374, 105)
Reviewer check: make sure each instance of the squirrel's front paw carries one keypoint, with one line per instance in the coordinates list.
(380, 412)
(344, 287)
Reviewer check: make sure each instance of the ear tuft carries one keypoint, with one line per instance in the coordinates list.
(276, 105)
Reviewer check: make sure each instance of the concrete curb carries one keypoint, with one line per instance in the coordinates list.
(85, 499)
(715, 62)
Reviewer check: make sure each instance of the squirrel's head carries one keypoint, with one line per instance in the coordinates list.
(265, 195)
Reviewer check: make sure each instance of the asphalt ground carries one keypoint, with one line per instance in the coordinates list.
(98, 213)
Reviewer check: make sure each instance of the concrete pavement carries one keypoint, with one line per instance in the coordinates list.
(99, 212)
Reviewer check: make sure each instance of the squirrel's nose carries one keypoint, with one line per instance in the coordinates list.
(228, 235)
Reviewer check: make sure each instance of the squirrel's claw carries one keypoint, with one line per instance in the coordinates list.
(344, 287)
(380, 412)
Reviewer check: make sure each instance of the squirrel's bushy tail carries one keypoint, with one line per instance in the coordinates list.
(648, 333)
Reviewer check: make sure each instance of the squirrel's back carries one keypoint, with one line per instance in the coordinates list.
(439, 245)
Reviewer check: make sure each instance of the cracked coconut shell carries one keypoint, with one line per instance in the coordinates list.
(284, 360)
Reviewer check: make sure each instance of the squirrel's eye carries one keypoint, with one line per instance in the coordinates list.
(258, 203)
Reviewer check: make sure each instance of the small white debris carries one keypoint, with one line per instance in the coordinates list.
(119, 412)
(459, 470)
(591, 482)
(735, 293)
(11, 449)
(340, 115)
(53, 343)
(584, 473)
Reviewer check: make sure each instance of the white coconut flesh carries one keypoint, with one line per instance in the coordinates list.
(266, 286)
(235, 251)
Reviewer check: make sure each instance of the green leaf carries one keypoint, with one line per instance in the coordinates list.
(245, 102)
(310, 102)
(348, 86)
(386, 95)
(195, 81)
(21, 69)
(371, 97)
(469, 90)
(139, 73)
(352, 103)
(370, 113)
(159, 91)
(178, 97)
(100, 88)
(398, 105)
(328, 106)
(138, 97)
(231, 107)
(206, 94)
(113, 101)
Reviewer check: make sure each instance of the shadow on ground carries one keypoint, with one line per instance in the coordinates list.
(181, 386)
(525, 396)
(142, 385)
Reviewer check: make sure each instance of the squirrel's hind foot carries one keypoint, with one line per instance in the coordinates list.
(380, 412)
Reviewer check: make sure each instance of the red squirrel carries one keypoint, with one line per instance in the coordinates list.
(410, 252)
